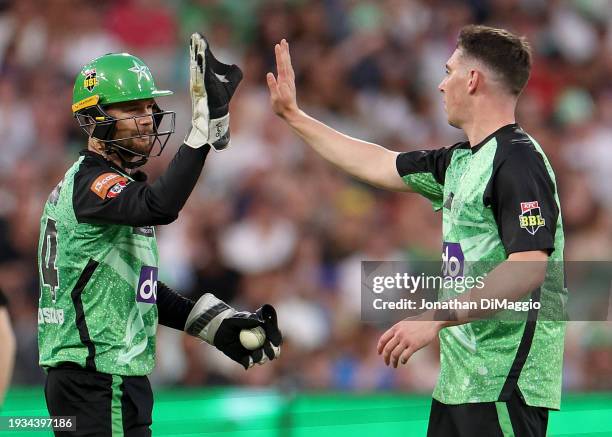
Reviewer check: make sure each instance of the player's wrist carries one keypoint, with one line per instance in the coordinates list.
(206, 316)
(441, 318)
(293, 115)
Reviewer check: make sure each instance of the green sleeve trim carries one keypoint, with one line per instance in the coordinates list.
(426, 185)
(504, 419)
(116, 414)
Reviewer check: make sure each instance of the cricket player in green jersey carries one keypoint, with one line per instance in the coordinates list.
(100, 298)
(498, 197)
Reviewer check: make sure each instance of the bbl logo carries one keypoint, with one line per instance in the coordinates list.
(531, 218)
(91, 80)
(147, 285)
(116, 189)
(452, 260)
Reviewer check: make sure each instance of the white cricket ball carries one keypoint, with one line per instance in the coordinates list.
(253, 339)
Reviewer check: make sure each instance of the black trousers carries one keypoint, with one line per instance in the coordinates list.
(488, 419)
(104, 405)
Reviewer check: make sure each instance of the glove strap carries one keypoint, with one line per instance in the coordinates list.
(206, 317)
(218, 133)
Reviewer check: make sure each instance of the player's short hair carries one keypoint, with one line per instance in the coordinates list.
(503, 52)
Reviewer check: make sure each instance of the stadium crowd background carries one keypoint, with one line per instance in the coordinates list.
(272, 222)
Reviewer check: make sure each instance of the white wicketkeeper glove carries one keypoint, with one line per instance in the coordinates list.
(219, 324)
(210, 95)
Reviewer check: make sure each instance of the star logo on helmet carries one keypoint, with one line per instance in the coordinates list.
(140, 70)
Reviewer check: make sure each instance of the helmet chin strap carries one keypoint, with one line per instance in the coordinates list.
(119, 152)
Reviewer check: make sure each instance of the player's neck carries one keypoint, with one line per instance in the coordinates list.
(95, 147)
(487, 119)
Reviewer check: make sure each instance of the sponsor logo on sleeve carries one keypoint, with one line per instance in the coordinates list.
(105, 182)
(147, 285)
(116, 189)
(531, 218)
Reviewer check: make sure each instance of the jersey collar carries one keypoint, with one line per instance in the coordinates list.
(98, 157)
(138, 175)
(503, 129)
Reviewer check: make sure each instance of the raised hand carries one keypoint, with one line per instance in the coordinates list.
(210, 96)
(282, 87)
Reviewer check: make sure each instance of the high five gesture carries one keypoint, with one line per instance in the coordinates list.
(369, 162)
(282, 88)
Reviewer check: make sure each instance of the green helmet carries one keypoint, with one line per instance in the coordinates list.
(116, 78)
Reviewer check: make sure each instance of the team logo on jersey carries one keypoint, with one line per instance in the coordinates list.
(106, 182)
(147, 285)
(116, 189)
(90, 81)
(531, 218)
(452, 260)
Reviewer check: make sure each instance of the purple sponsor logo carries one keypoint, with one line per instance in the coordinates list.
(147, 285)
(452, 260)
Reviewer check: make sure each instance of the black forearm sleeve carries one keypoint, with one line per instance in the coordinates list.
(172, 308)
(173, 188)
(137, 203)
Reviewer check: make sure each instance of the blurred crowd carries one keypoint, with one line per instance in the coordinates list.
(269, 220)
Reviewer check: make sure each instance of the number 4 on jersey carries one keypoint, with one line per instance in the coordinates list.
(47, 258)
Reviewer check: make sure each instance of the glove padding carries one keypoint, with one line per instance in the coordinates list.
(218, 324)
(210, 96)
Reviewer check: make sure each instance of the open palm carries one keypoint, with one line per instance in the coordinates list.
(282, 88)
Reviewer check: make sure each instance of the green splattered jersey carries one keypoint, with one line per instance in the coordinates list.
(100, 301)
(98, 281)
(497, 198)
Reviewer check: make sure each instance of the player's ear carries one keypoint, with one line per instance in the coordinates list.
(474, 80)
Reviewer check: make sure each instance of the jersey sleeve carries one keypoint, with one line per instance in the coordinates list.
(424, 172)
(103, 196)
(173, 309)
(522, 198)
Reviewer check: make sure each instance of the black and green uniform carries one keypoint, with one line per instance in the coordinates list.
(100, 300)
(497, 198)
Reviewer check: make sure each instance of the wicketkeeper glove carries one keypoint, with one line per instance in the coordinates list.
(219, 324)
(210, 95)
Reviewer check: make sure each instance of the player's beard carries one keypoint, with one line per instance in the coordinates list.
(139, 144)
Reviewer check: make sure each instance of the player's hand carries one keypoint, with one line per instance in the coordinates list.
(282, 88)
(210, 95)
(404, 338)
(219, 324)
